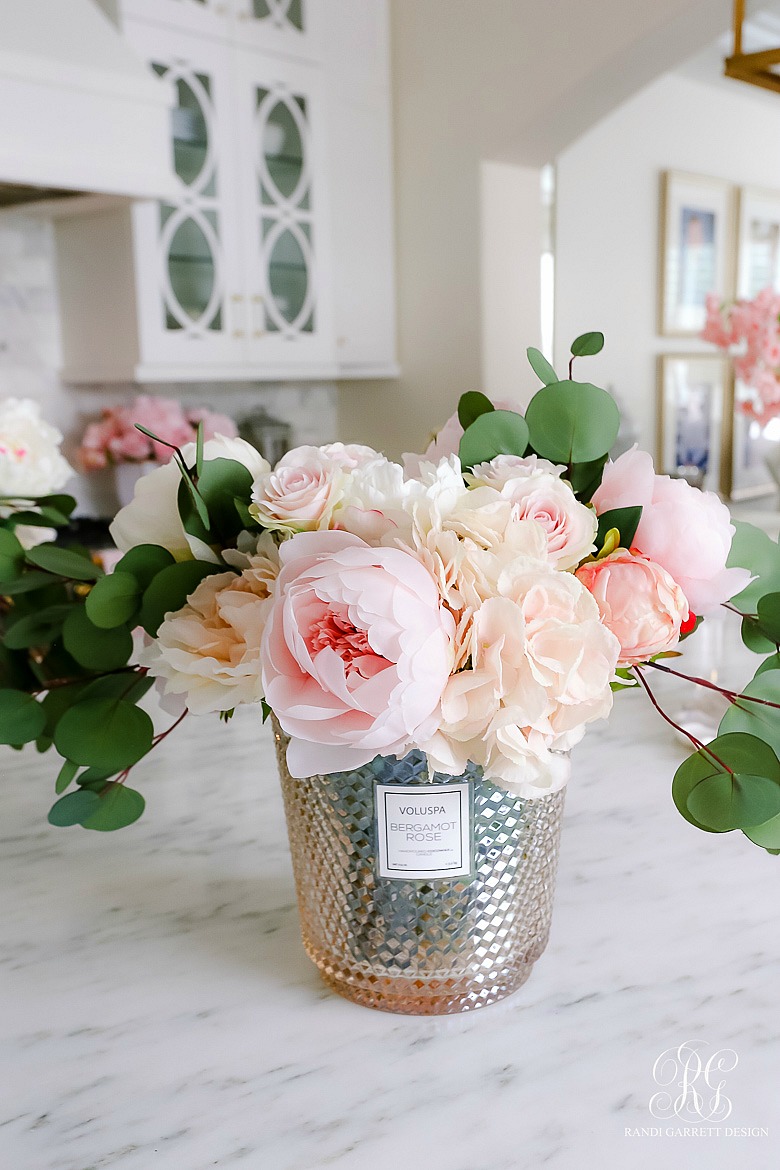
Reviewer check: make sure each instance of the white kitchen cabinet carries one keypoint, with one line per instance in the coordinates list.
(274, 260)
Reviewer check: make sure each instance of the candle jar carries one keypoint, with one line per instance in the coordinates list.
(420, 893)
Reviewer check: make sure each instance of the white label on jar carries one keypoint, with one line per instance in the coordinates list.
(423, 831)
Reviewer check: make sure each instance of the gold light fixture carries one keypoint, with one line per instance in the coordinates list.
(754, 68)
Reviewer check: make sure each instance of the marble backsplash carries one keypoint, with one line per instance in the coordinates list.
(30, 357)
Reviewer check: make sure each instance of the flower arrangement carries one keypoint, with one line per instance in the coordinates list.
(750, 330)
(483, 603)
(115, 438)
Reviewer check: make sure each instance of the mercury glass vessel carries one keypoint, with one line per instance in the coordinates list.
(420, 893)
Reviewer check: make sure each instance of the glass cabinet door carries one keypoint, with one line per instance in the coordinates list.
(285, 196)
(192, 302)
(290, 27)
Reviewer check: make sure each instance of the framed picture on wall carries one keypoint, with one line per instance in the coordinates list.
(697, 249)
(692, 398)
(748, 446)
(758, 257)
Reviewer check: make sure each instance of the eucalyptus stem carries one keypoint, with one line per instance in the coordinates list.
(697, 743)
(732, 696)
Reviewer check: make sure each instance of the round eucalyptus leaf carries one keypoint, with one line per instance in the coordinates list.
(738, 751)
(499, 432)
(64, 562)
(74, 808)
(572, 422)
(757, 719)
(95, 648)
(471, 405)
(11, 556)
(169, 591)
(769, 616)
(144, 562)
(587, 344)
(38, 628)
(752, 637)
(112, 734)
(113, 600)
(540, 366)
(771, 663)
(751, 548)
(22, 718)
(766, 835)
(726, 801)
(118, 807)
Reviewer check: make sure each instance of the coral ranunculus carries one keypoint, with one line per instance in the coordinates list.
(357, 651)
(639, 602)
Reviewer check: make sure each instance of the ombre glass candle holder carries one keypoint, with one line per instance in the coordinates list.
(423, 915)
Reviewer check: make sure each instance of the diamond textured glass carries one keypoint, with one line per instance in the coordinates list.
(414, 945)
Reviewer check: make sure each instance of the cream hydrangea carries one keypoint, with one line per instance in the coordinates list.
(209, 650)
(540, 665)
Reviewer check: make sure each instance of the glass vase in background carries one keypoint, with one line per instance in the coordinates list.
(464, 933)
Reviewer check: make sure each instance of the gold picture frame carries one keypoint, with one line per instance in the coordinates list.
(697, 250)
(694, 415)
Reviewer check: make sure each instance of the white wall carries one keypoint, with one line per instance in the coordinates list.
(607, 219)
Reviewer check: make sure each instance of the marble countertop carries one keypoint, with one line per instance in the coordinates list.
(158, 1009)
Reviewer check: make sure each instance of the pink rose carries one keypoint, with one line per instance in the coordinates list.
(686, 531)
(301, 492)
(638, 601)
(356, 653)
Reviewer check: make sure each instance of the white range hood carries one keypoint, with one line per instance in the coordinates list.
(79, 112)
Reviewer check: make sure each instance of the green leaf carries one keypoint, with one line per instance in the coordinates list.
(752, 549)
(199, 450)
(170, 589)
(124, 684)
(104, 733)
(61, 503)
(724, 802)
(540, 366)
(66, 774)
(769, 616)
(57, 701)
(471, 406)
(751, 760)
(756, 719)
(113, 600)
(11, 556)
(587, 344)
(37, 629)
(93, 647)
(22, 719)
(220, 482)
(767, 834)
(501, 432)
(265, 709)
(572, 422)
(190, 514)
(771, 663)
(246, 519)
(144, 562)
(65, 562)
(74, 808)
(753, 638)
(119, 806)
(585, 478)
(27, 583)
(626, 520)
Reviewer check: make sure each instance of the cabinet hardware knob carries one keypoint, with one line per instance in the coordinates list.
(258, 300)
(239, 333)
(237, 297)
(259, 333)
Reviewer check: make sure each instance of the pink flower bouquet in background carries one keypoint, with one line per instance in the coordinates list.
(115, 438)
(750, 332)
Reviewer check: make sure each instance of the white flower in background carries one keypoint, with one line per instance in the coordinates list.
(300, 493)
(152, 516)
(349, 455)
(375, 504)
(534, 488)
(540, 667)
(209, 650)
(30, 462)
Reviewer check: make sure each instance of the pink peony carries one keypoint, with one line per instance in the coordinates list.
(686, 531)
(638, 601)
(356, 653)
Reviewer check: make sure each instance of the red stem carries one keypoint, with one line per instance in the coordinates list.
(689, 735)
(732, 696)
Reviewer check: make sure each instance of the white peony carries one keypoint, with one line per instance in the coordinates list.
(30, 463)
(536, 492)
(152, 516)
(209, 650)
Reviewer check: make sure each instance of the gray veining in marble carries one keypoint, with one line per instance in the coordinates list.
(158, 1009)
